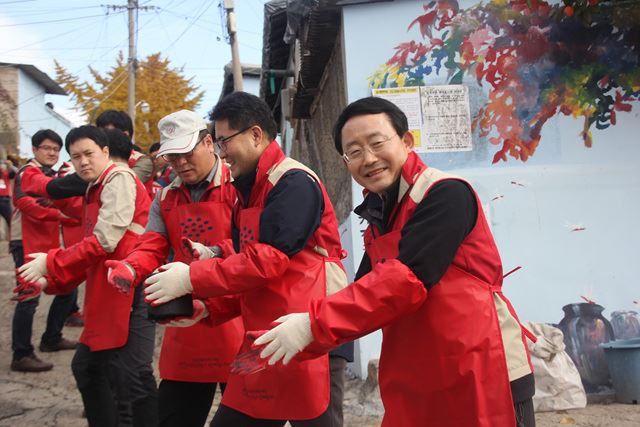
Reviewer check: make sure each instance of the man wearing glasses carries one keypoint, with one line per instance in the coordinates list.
(285, 251)
(453, 351)
(190, 216)
(35, 227)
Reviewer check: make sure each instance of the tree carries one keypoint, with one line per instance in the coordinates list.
(164, 88)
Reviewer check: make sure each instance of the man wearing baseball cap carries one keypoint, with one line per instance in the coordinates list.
(190, 215)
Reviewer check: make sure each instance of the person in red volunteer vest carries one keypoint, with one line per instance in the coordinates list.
(140, 164)
(112, 364)
(7, 174)
(285, 250)
(453, 351)
(35, 228)
(196, 353)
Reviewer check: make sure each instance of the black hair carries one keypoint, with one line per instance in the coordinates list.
(43, 134)
(154, 147)
(243, 110)
(93, 133)
(370, 105)
(137, 148)
(118, 119)
(119, 144)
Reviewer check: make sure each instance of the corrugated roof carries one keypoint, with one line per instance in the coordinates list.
(40, 77)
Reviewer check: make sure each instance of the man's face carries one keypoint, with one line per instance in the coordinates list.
(47, 153)
(89, 160)
(381, 152)
(158, 161)
(242, 151)
(194, 166)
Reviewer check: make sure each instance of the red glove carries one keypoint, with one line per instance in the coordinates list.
(120, 275)
(199, 312)
(68, 221)
(26, 291)
(248, 360)
(197, 251)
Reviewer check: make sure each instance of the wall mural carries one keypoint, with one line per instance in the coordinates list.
(580, 58)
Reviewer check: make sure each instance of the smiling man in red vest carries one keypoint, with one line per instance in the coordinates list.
(453, 351)
(284, 252)
(196, 353)
(113, 358)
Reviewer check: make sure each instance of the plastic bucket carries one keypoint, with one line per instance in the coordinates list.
(623, 358)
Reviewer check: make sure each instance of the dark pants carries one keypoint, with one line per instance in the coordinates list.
(5, 209)
(117, 385)
(525, 416)
(22, 326)
(185, 404)
(332, 417)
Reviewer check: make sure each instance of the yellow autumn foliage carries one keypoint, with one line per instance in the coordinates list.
(160, 85)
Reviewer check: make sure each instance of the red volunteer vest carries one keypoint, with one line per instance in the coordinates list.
(200, 353)
(107, 310)
(446, 363)
(37, 235)
(299, 390)
(5, 184)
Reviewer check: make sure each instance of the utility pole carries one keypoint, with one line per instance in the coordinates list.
(233, 41)
(132, 62)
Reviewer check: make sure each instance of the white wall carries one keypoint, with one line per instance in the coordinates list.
(33, 115)
(566, 185)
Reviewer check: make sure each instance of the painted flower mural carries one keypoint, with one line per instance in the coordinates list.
(580, 58)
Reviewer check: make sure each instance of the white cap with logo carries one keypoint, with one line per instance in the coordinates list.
(179, 132)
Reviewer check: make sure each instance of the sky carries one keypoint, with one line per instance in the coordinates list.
(79, 33)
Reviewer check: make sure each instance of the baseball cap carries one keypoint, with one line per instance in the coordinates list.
(179, 132)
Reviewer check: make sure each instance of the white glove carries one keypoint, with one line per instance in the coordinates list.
(34, 269)
(199, 312)
(287, 339)
(170, 282)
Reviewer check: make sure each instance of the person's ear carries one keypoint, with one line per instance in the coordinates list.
(257, 134)
(105, 150)
(408, 140)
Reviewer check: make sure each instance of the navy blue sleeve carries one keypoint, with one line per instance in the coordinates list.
(292, 212)
(68, 186)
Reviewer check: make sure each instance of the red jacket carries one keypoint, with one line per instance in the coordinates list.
(106, 310)
(269, 284)
(35, 220)
(448, 354)
(203, 352)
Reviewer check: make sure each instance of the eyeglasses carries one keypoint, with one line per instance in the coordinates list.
(49, 149)
(175, 156)
(355, 153)
(221, 142)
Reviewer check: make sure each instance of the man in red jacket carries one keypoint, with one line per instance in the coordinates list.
(112, 364)
(285, 250)
(196, 353)
(453, 350)
(36, 228)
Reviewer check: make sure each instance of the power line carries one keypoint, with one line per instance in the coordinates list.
(53, 20)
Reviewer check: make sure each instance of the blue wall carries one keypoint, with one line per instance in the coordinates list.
(565, 185)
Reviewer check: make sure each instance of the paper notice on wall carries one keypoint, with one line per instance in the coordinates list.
(408, 100)
(446, 120)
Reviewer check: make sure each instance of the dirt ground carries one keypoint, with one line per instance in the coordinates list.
(51, 399)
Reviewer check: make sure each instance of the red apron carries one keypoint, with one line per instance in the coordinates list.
(200, 353)
(445, 364)
(299, 390)
(107, 310)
